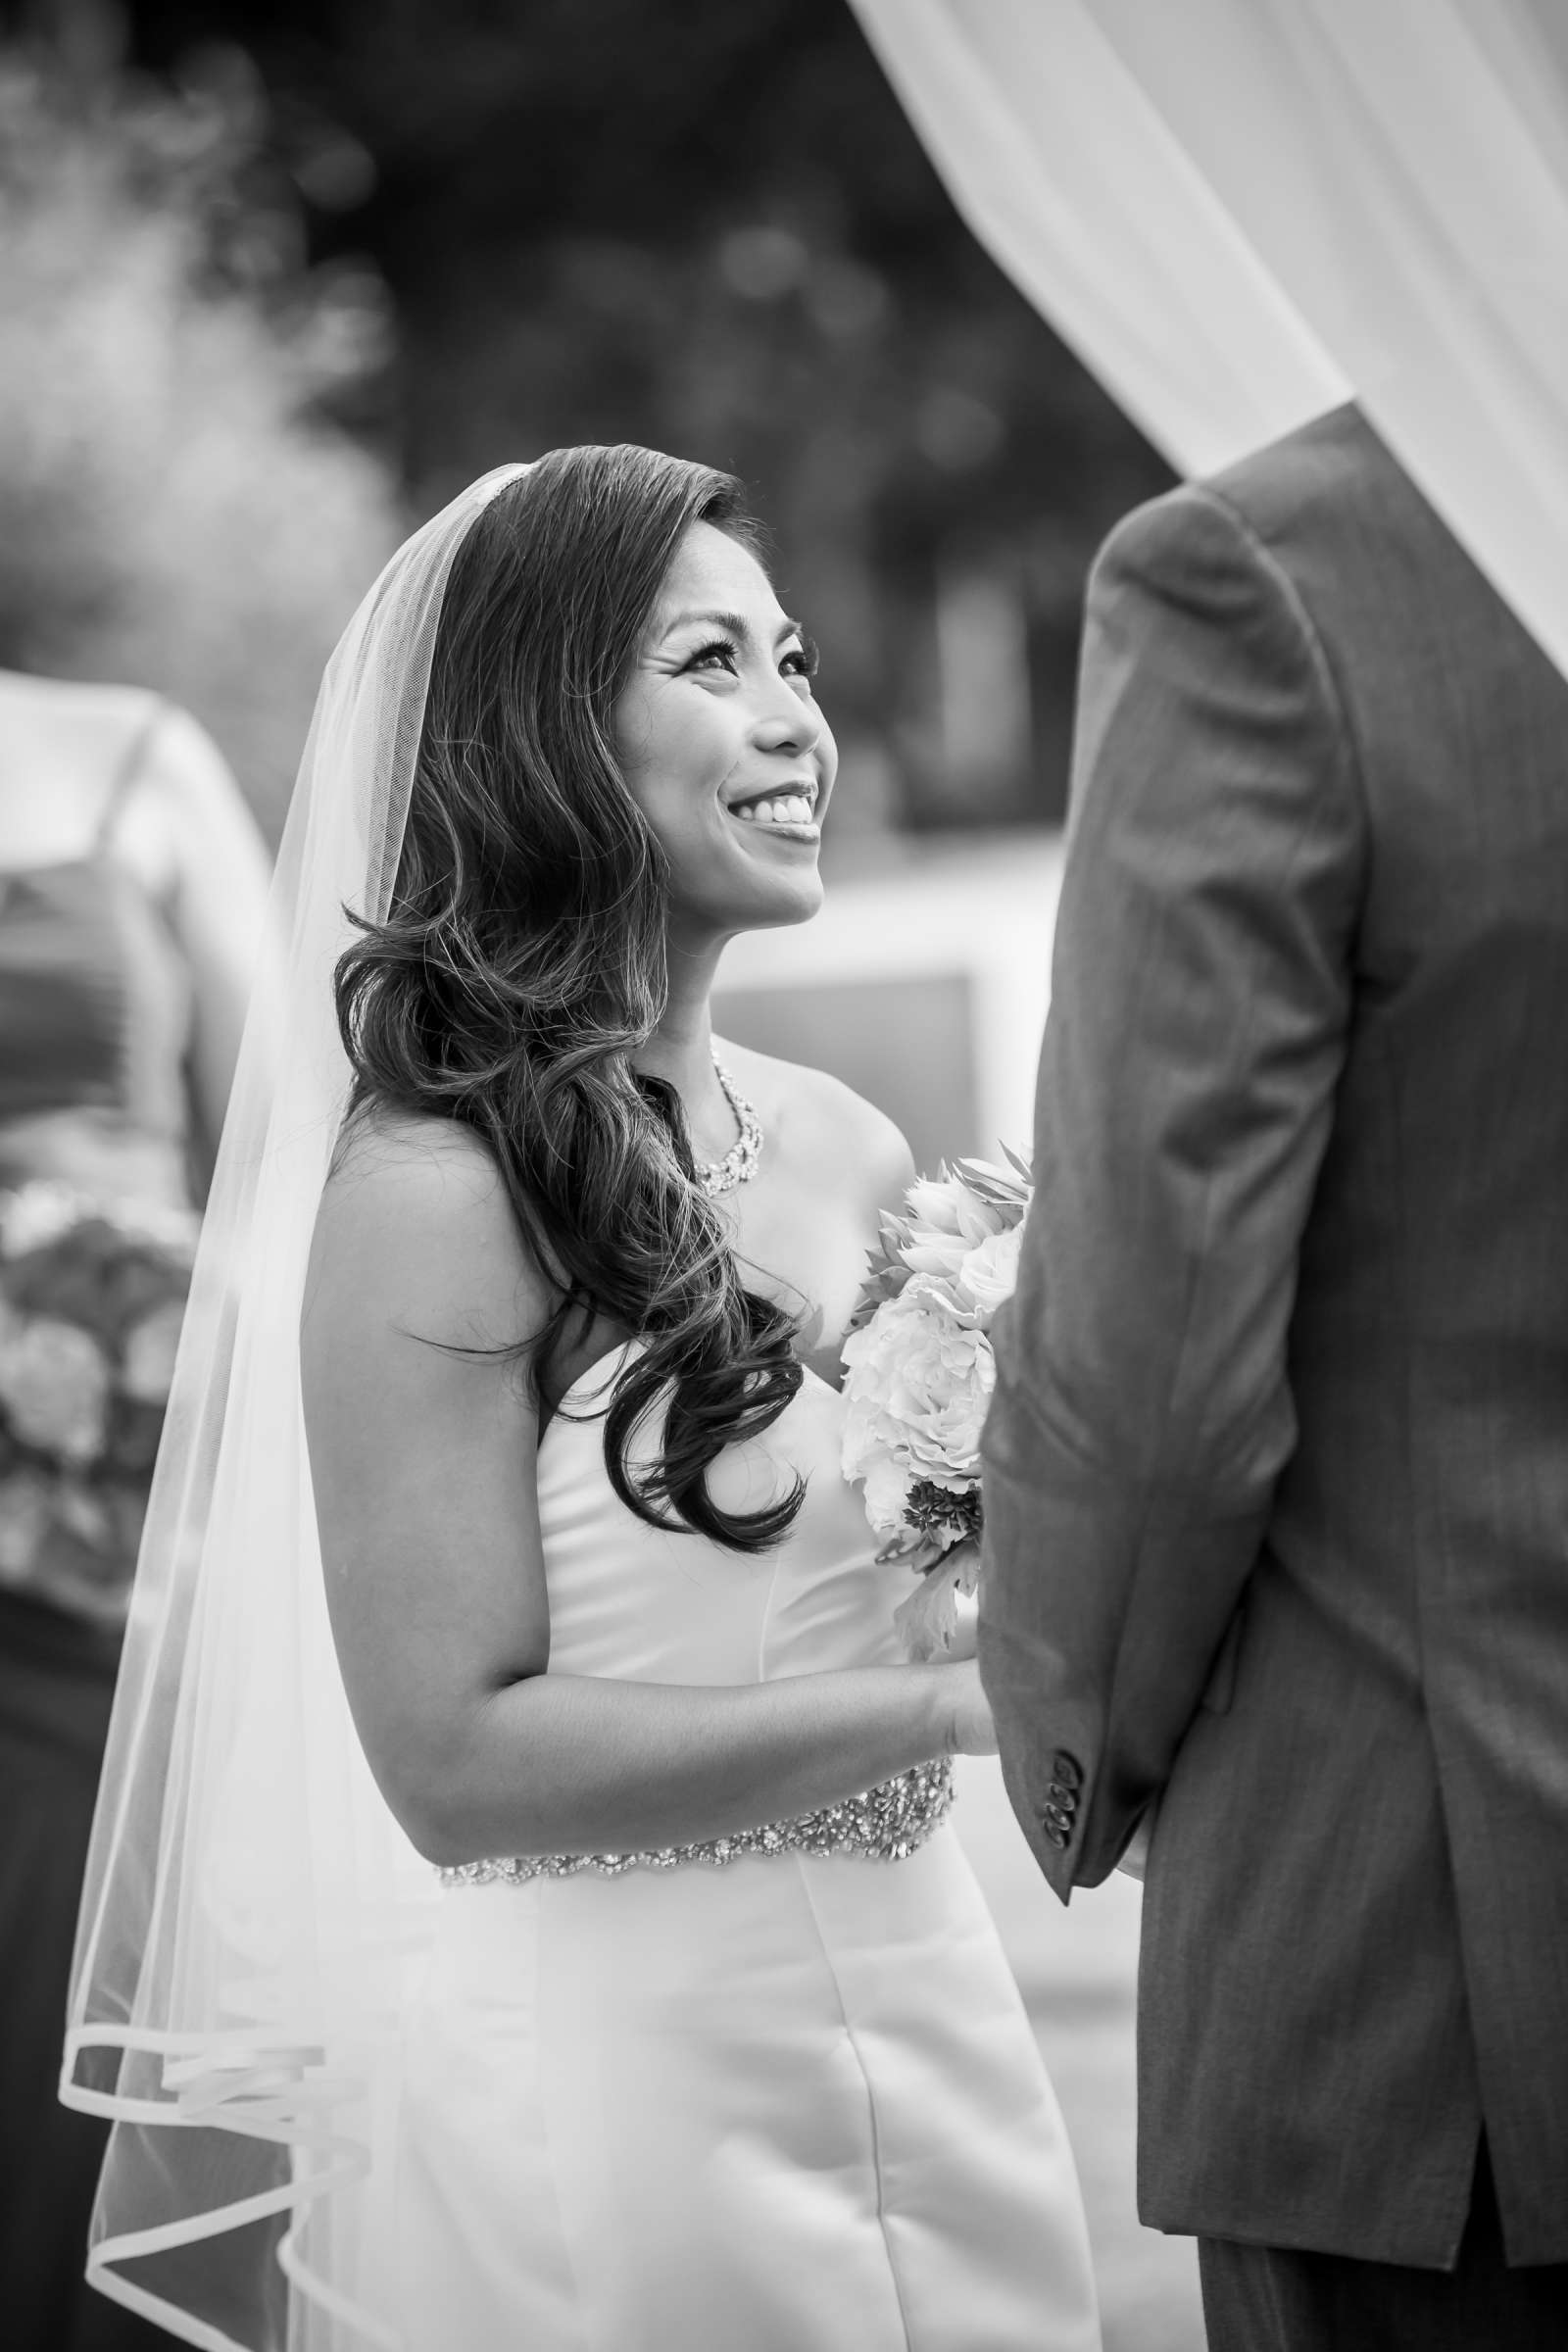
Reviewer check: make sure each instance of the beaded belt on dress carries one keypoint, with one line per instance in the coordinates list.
(885, 1823)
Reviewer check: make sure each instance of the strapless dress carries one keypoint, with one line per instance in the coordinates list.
(783, 2099)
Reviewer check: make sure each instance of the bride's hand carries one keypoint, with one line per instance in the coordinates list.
(966, 1711)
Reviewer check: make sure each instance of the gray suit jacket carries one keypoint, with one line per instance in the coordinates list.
(1277, 1472)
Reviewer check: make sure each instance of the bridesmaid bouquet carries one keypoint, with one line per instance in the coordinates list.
(92, 1294)
(919, 1376)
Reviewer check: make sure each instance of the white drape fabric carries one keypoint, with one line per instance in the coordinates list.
(251, 1909)
(1241, 211)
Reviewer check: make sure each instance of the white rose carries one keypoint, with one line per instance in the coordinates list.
(989, 1273)
(919, 1380)
(54, 1383)
(149, 1356)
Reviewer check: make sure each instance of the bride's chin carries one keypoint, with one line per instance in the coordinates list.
(781, 907)
(770, 902)
(755, 902)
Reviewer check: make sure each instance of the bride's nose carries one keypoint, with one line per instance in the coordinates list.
(789, 723)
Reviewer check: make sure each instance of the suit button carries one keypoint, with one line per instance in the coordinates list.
(1056, 1819)
(1055, 1836)
(1066, 1769)
(1065, 1797)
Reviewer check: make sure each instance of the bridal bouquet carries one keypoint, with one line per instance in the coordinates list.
(92, 1294)
(919, 1376)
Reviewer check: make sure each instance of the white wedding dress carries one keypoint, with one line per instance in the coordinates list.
(789, 2104)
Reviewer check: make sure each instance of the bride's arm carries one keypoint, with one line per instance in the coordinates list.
(571, 1764)
(422, 1456)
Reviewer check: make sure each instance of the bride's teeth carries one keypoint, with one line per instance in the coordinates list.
(792, 808)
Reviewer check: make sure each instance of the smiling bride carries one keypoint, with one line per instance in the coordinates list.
(713, 2042)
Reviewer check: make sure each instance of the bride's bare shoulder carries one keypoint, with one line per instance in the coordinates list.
(388, 1152)
(416, 1224)
(822, 1122)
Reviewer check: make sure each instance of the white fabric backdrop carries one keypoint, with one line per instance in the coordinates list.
(1241, 211)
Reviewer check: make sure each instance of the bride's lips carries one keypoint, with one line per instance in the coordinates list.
(787, 812)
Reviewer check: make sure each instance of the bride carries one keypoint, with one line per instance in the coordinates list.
(706, 2039)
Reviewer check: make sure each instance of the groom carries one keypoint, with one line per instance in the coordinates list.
(1277, 1471)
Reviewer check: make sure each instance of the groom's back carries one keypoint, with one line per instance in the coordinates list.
(1356, 1935)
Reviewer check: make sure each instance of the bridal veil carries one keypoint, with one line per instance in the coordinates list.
(251, 1909)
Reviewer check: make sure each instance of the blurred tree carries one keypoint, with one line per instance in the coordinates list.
(711, 228)
(677, 222)
(178, 506)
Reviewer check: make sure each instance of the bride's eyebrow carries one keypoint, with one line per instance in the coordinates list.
(732, 623)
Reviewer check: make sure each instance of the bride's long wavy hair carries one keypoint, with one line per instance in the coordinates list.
(522, 963)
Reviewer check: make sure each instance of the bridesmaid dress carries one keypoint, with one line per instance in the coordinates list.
(95, 1009)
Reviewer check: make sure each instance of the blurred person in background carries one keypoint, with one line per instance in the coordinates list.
(132, 882)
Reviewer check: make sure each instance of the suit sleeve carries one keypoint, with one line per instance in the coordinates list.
(1200, 998)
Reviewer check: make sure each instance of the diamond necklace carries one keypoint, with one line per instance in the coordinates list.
(738, 1163)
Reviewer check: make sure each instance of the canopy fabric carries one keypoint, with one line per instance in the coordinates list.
(1240, 212)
